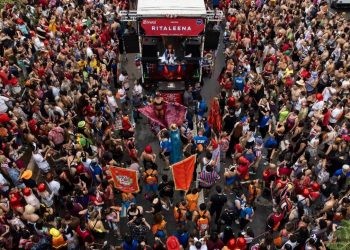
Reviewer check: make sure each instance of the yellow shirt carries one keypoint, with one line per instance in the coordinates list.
(93, 63)
(82, 64)
(52, 27)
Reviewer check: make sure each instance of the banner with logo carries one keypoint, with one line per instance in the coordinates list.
(172, 26)
(183, 173)
(125, 179)
(172, 96)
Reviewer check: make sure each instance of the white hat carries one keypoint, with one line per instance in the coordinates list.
(346, 168)
(300, 82)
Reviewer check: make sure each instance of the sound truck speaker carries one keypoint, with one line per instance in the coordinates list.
(211, 39)
(192, 46)
(131, 43)
(150, 47)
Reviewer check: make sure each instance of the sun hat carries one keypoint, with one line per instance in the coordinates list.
(172, 243)
(29, 209)
(300, 82)
(27, 174)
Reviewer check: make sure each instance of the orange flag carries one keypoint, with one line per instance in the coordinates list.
(183, 173)
(125, 179)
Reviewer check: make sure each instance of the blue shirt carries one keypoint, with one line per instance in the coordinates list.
(250, 157)
(200, 140)
(239, 83)
(96, 170)
(340, 172)
(264, 121)
(247, 211)
(202, 108)
(166, 145)
(183, 238)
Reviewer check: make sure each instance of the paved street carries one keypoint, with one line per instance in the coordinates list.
(144, 137)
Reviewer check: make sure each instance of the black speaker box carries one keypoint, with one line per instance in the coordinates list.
(192, 46)
(211, 39)
(131, 43)
(150, 46)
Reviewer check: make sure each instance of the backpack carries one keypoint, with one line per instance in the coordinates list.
(167, 188)
(203, 221)
(151, 178)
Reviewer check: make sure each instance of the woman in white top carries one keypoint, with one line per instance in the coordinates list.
(336, 113)
(40, 160)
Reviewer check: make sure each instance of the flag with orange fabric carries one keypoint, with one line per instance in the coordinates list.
(214, 117)
(125, 179)
(183, 173)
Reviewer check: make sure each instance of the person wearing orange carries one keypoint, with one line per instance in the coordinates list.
(192, 200)
(159, 227)
(180, 212)
(202, 219)
(58, 242)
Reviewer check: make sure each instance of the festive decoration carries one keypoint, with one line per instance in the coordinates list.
(125, 179)
(183, 173)
(174, 113)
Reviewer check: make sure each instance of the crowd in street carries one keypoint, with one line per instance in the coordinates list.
(277, 133)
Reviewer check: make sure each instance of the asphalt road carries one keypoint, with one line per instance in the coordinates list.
(145, 137)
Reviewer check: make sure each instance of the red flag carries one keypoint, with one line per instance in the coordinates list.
(183, 173)
(214, 117)
(125, 179)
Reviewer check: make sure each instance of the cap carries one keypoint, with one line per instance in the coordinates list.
(346, 168)
(27, 174)
(26, 191)
(81, 124)
(241, 243)
(319, 97)
(306, 192)
(54, 232)
(41, 187)
(172, 243)
(315, 186)
(148, 149)
(231, 244)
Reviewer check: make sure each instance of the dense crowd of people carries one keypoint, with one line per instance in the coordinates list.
(277, 133)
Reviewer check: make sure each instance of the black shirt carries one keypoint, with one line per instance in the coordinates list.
(218, 201)
(166, 189)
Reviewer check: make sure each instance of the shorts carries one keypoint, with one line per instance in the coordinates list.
(151, 188)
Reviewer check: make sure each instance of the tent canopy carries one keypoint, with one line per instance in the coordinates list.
(162, 8)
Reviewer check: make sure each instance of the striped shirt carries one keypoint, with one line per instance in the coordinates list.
(208, 177)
